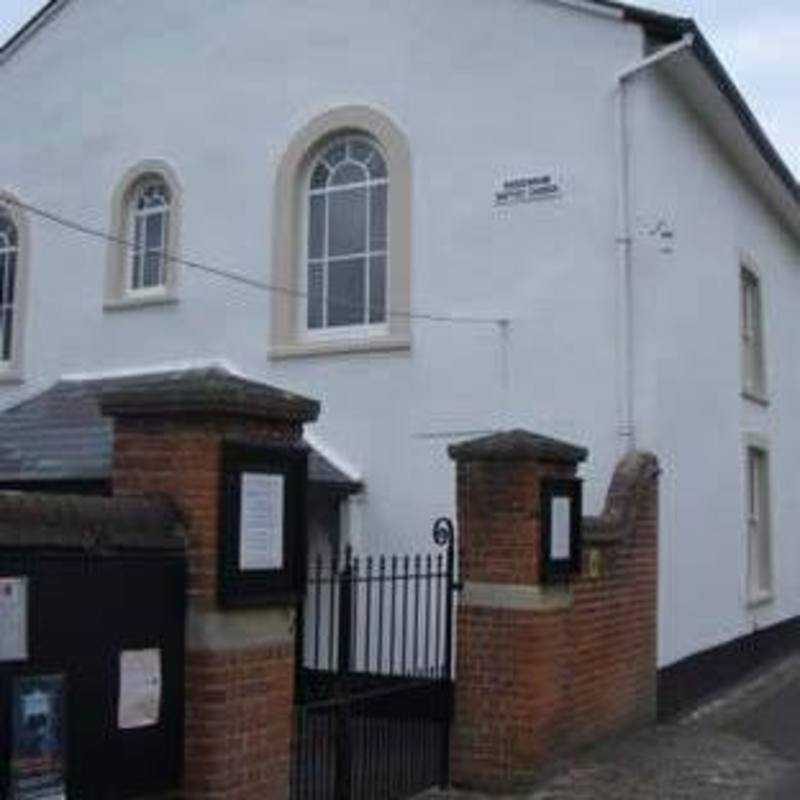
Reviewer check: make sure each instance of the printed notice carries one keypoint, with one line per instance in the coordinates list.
(560, 529)
(139, 688)
(261, 532)
(13, 619)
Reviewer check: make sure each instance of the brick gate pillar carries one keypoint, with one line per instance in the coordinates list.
(169, 431)
(543, 669)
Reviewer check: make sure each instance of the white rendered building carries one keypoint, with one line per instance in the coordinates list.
(446, 218)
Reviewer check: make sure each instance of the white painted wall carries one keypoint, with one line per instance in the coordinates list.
(484, 91)
(690, 410)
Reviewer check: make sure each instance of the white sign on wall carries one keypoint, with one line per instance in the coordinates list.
(13, 619)
(527, 189)
(139, 689)
(261, 526)
(560, 528)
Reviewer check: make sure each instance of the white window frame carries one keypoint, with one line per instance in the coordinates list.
(11, 369)
(758, 523)
(120, 294)
(340, 332)
(289, 336)
(751, 324)
(9, 249)
(134, 215)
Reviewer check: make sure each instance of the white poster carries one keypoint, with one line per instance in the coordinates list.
(560, 528)
(139, 688)
(261, 529)
(13, 619)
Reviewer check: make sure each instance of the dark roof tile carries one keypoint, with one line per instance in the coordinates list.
(62, 435)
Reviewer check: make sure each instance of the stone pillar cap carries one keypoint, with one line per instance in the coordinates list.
(518, 445)
(206, 391)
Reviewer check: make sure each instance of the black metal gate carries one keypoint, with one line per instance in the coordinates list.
(374, 683)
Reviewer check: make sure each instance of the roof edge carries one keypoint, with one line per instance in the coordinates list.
(673, 28)
(44, 15)
(708, 58)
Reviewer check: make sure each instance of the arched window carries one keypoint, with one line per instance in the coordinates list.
(145, 232)
(148, 232)
(342, 237)
(9, 253)
(346, 235)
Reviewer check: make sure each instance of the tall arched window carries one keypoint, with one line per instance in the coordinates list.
(347, 235)
(342, 237)
(148, 231)
(9, 252)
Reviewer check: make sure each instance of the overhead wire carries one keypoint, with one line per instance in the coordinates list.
(238, 277)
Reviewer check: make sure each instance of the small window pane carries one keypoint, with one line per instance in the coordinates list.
(378, 217)
(138, 231)
(348, 222)
(316, 226)
(8, 233)
(336, 154)
(377, 166)
(316, 275)
(10, 278)
(361, 150)
(153, 232)
(377, 289)
(152, 269)
(346, 291)
(136, 270)
(8, 327)
(319, 177)
(348, 172)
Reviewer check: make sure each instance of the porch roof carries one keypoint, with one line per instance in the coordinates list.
(62, 436)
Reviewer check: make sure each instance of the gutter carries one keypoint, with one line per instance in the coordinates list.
(626, 412)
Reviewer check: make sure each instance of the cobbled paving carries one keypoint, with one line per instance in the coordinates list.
(706, 756)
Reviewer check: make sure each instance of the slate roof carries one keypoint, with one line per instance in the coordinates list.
(62, 434)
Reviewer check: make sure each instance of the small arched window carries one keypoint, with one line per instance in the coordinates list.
(145, 238)
(9, 254)
(148, 233)
(347, 251)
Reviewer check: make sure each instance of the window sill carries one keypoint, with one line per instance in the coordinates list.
(132, 301)
(755, 397)
(760, 599)
(11, 376)
(321, 347)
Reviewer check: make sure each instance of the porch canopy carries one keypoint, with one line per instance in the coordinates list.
(59, 440)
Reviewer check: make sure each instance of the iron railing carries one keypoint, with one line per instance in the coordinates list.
(374, 684)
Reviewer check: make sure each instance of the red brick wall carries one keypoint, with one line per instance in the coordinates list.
(239, 702)
(238, 723)
(182, 459)
(532, 684)
(496, 502)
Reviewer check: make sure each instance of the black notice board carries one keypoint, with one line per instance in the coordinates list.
(561, 528)
(262, 524)
(84, 612)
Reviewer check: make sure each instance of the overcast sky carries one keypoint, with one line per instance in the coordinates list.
(757, 40)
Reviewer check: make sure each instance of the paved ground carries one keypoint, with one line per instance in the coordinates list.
(744, 746)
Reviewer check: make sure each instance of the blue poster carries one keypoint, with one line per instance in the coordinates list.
(38, 738)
